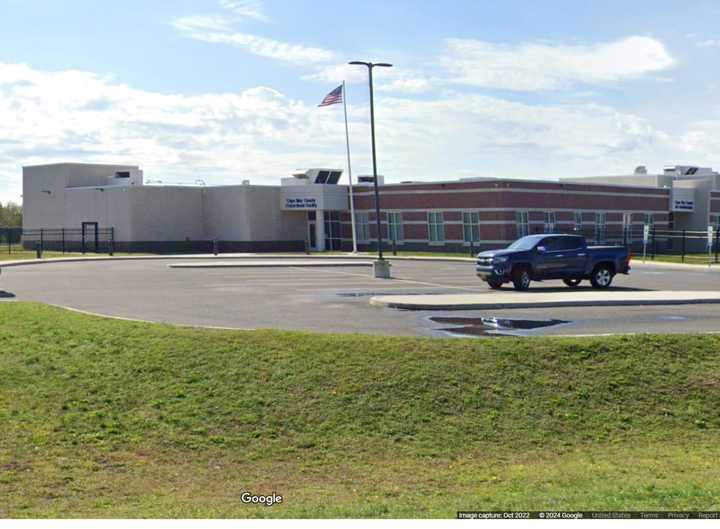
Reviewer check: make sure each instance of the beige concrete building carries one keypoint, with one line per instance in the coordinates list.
(144, 217)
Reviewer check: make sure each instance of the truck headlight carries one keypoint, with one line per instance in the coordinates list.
(499, 260)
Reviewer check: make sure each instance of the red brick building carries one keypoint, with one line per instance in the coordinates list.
(490, 213)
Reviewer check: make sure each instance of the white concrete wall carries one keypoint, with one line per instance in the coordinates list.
(110, 208)
(44, 195)
(250, 213)
(164, 213)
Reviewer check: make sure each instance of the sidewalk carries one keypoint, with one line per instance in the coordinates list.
(529, 299)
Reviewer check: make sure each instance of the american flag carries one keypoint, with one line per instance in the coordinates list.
(332, 98)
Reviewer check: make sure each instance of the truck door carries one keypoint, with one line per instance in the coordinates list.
(549, 262)
(575, 254)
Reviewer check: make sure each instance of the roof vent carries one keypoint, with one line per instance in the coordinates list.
(641, 169)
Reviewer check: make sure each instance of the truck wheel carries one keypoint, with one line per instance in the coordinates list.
(521, 278)
(494, 284)
(572, 282)
(601, 277)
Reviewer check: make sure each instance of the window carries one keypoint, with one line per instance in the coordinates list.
(362, 226)
(627, 227)
(471, 226)
(436, 227)
(322, 177)
(600, 227)
(551, 244)
(523, 223)
(549, 226)
(332, 230)
(395, 227)
(569, 243)
(578, 221)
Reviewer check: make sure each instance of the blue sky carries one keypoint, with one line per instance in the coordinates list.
(227, 89)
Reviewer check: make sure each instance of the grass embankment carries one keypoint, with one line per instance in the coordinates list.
(107, 418)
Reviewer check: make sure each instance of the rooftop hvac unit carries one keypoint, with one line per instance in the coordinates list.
(369, 179)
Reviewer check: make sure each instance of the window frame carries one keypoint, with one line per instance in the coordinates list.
(600, 227)
(522, 228)
(395, 227)
(548, 226)
(473, 225)
(439, 227)
(362, 226)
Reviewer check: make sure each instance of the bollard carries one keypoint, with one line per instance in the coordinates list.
(394, 247)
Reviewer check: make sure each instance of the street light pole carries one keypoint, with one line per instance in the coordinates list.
(370, 67)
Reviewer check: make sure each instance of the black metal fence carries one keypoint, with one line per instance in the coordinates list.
(10, 239)
(66, 240)
(687, 245)
(91, 239)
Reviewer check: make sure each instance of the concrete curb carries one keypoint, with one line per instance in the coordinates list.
(450, 302)
(675, 266)
(273, 264)
(8, 264)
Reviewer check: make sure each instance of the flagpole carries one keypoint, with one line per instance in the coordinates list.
(347, 144)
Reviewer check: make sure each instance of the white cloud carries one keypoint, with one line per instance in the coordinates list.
(473, 135)
(263, 135)
(541, 66)
(708, 43)
(262, 46)
(246, 9)
(202, 23)
(407, 86)
(218, 29)
(339, 72)
(80, 116)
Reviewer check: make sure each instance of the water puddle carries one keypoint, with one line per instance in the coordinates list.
(491, 326)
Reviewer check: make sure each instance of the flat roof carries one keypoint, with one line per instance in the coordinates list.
(85, 164)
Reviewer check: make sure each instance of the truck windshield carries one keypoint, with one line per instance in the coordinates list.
(525, 243)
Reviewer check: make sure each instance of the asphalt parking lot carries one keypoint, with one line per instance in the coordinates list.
(336, 299)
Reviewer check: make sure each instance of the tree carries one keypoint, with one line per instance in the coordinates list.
(10, 215)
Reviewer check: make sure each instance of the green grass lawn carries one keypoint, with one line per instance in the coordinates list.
(20, 254)
(109, 418)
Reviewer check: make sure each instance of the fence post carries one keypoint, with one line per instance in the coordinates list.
(394, 247)
(42, 240)
(215, 246)
(654, 243)
(63, 239)
(717, 240)
(683, 247)
(472, 247)
(112, 241)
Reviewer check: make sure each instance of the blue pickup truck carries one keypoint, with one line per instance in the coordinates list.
(551, 256)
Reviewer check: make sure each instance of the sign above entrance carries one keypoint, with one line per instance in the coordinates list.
(314, 197)
(683, 199)
(300, 203)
